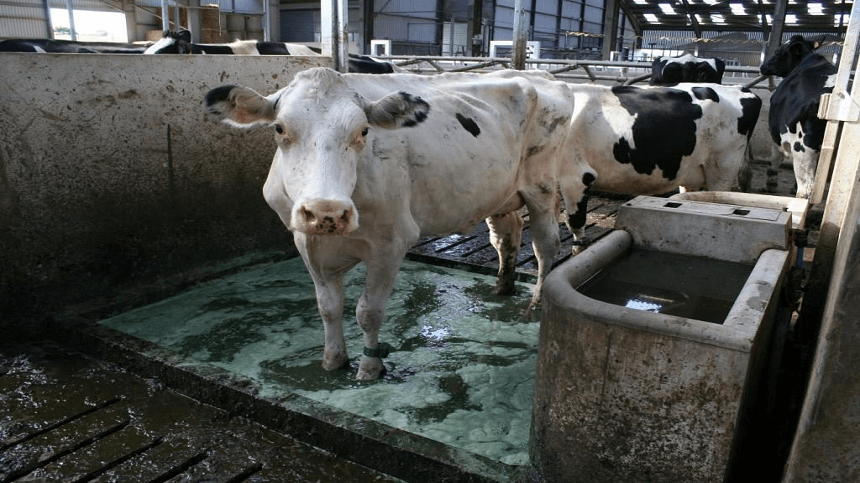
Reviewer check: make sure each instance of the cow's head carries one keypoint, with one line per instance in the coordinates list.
(172, 43)
(687, 68)
(322, 130)
(790, 54)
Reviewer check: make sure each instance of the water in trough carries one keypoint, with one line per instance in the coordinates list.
(461, 371)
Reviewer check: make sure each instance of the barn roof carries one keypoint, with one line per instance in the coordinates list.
(737, 15)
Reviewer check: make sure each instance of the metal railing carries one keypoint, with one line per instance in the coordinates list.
(622, 72)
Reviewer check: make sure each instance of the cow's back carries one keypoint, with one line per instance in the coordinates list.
(651, 140)
(797, 97)
(460, 164)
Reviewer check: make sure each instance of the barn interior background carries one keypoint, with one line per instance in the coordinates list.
(115, 190)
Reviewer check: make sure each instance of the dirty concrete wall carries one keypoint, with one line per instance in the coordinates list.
(112, 172)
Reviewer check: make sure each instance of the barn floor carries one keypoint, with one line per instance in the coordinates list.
(68, 417)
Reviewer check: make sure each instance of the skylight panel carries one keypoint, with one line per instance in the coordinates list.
(651, 18)
(640, 2)
(791, 18)
(738, 9)
(815, 9)
(718, 18)
(667, 8)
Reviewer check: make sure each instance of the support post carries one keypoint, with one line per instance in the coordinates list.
(610, 28)
(518, 54)
(334, 32)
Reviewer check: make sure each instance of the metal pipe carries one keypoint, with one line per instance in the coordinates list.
(165, 16)
(71, 11)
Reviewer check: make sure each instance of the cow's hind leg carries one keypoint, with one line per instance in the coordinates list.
(506, 236)
(776, 156)
(804, 163)
(545, 239)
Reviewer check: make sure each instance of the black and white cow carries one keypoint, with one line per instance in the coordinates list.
(793, 120)
(70, 47)
(686, 68)
(652, 140)
(180, 43)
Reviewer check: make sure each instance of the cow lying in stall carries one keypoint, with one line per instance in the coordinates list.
(686, 68)
(180, 43)
(70, 47)
(793, 120)
(652, 140)
(355, 182)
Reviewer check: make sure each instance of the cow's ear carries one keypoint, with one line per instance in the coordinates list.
(240, 106)
(399, 109)
(818, 42)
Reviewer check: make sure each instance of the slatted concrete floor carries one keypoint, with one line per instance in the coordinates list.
(65, 417)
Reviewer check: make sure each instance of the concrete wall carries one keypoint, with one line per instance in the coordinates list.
(111, 172)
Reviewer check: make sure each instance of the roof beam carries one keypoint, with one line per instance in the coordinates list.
(696, 29)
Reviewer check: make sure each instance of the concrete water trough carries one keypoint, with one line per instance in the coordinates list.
(654, 341)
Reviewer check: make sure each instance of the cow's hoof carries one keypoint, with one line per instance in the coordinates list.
(505, 288)
(334, 361)
(370, 368)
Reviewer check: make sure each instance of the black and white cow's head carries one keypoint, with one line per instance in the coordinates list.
(686, 68)
(322, 129)
(790, 55)
(172, 43)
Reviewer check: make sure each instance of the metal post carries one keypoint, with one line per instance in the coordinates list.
(334, 32)
(518, 55)
(165, 16)
(267, 29)
(451, 38)
(71, 10)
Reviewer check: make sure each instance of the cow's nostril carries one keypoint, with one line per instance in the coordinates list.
(308, 214)
(345, 216)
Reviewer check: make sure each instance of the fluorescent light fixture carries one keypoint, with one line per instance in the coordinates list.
(651, 18)
(667, 8)
(738, 9)
(815, 9)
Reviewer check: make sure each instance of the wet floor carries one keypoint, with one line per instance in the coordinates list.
(461, 371)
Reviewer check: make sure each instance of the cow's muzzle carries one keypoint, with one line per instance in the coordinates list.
(325, 217)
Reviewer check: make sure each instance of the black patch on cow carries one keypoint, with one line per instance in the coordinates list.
(750, 108)
(664, 130)
(577, 219)
(363, 64)
(217, 95)
(799, 147)
(419, 109)
(469, 124)
(272, 48)
(706, 94)
(588, 178)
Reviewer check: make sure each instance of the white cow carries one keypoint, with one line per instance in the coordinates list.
(651, 140)
(365, 165)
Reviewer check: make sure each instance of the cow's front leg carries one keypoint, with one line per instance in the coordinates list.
(506, 233)
(370, 311)
(330, 303)
(326, 265)
(575, 222)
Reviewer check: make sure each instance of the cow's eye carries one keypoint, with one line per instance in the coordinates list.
(279, 129)
(364, 131)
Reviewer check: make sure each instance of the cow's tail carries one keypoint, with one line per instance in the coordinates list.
(745, 171)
